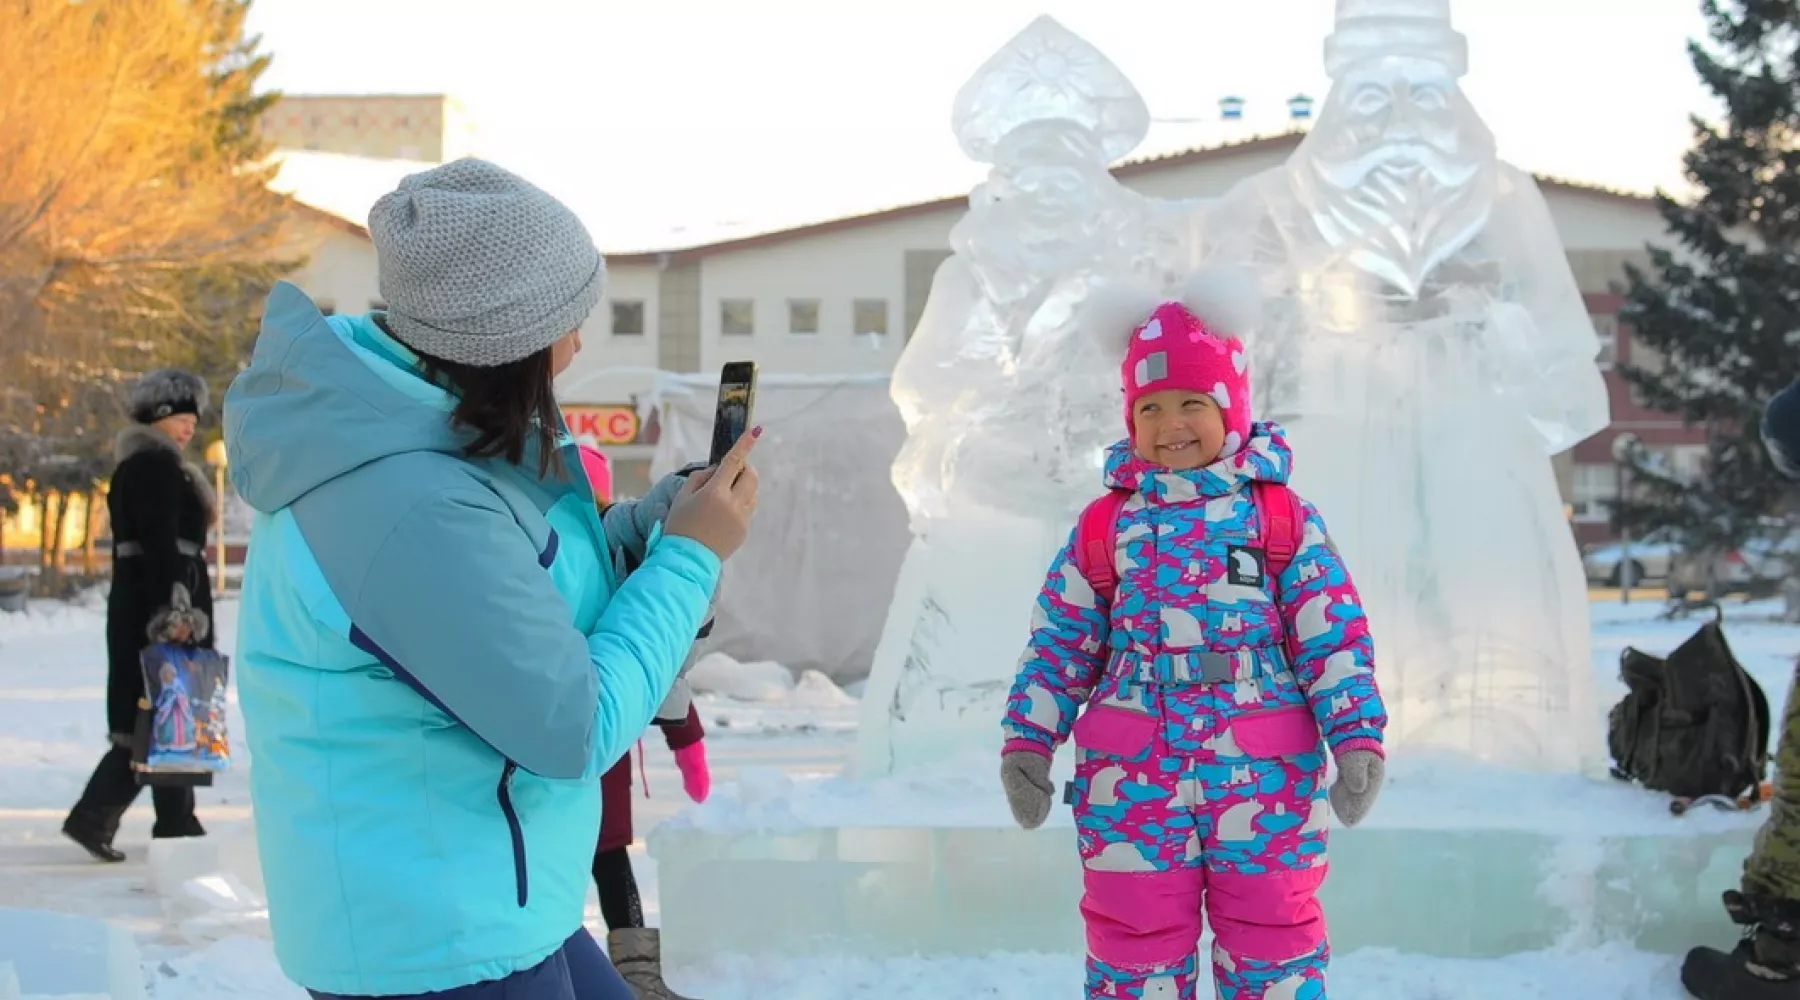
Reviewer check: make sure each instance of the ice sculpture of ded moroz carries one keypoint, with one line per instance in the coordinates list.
(1425, 345)
(1007, 405)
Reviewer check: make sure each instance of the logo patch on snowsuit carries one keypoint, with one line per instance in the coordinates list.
(1245, 566)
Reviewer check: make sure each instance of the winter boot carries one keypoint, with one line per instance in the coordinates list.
(637, 954)
(1764, 966)
(93, 843)
(90, 839)
(1710, 974)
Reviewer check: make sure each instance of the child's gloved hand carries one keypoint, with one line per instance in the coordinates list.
(628, 523)
(1026, 777)
(696, 777)
(1360, 773)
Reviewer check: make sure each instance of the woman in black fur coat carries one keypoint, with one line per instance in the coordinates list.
(161, 507)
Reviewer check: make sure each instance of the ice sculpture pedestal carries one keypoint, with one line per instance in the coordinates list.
(1458, 861)
(45, 955)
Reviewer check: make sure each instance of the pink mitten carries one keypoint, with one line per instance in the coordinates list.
(696, 777)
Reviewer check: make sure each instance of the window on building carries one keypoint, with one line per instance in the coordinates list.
(803, 315)
(1646, 357)
(628, 318)
(737, 317)
(869, 316)
(1593, 490)
(1606, 329)
(1687, 461)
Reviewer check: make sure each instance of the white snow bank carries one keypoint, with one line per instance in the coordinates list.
(1608, 973)
(50, 618)
(763, 698)
(763, 680)
(815, 690)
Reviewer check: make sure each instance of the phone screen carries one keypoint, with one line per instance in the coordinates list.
(737, 398)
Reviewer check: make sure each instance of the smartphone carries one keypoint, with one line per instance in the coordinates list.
(737, 397)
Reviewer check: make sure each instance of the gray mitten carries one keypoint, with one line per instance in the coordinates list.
(1360, 773)
(1026, 777)
(180, 621)
(628, 523)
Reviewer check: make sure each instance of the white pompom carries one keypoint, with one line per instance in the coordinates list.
(1225, 298)
(1115, 309)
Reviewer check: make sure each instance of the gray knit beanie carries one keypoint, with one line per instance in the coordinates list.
(480, 267)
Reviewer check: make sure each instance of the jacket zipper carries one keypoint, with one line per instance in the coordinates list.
(517, 831)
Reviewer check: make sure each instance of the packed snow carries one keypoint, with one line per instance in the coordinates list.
(777, 744)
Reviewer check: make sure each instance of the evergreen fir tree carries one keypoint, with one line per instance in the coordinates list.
(217, 306)
(1723, 308)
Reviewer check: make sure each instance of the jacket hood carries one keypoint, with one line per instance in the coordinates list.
(323, 396)
(1265, 457)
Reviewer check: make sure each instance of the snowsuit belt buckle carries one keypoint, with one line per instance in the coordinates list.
(1208, 666)
(1203, 666)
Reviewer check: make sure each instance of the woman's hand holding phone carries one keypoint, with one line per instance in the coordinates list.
(715, 505)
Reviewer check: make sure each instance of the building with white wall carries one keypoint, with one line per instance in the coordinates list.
(433, 128)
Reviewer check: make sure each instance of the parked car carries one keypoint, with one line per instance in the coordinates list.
(1651, 557)
(1769, 561)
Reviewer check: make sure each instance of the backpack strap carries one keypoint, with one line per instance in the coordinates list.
(1096, 541)
(1283, 531)
(1283, 527)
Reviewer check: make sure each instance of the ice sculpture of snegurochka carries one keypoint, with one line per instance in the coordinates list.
(1007, 405)
(1422, 339)
(1427, 349)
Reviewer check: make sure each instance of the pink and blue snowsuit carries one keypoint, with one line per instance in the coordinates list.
(1213, 695)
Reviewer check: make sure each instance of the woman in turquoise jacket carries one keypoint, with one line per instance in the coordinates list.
(435, 662)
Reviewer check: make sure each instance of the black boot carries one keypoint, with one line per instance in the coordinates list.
(92, 842)
(1710, 974)
(1765, 965)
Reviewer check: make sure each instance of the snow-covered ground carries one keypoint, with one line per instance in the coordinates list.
(762, 722)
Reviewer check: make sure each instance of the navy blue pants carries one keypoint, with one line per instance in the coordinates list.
(578, 971)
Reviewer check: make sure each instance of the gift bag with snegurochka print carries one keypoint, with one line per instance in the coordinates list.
(182, 736)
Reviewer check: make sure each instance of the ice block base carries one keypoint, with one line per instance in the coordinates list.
(1477, 864)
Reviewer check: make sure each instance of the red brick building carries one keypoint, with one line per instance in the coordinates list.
(1591, 477)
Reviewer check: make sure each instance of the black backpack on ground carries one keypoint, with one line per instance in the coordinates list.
(1693, 724)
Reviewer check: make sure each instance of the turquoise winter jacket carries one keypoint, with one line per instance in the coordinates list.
(435, 666)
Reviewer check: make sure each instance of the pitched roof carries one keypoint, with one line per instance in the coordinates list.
(1129, 168)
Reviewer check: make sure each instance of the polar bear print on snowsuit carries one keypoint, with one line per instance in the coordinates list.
(1212, 698)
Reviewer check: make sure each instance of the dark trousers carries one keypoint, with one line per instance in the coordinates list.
(114, 787)
(580, 971)
(618, 888)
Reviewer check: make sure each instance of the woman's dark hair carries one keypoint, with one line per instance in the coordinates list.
(508, 407)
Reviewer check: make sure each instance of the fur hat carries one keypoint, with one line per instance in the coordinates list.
(165, 393)
(1191, 343)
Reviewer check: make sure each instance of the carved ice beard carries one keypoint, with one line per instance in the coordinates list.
(1400, 204)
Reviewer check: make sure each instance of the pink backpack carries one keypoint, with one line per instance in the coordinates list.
(1096, 534)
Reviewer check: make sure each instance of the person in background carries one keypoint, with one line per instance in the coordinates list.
(1766, 905)
(161, 508)
(435, 662)
(635, 949)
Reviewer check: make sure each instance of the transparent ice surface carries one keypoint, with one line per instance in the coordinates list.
(1457, 861)
(1427, 349)
(1422, 339)
(59, 954)
(1007, 402)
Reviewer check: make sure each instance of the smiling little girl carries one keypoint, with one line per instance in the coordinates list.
(1202, 615)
